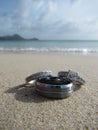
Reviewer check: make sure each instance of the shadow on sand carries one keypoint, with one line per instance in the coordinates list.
(26, 94)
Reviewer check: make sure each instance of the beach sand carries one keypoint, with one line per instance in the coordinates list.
(23, 109)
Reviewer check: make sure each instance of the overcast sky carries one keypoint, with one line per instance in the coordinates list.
(50, 19)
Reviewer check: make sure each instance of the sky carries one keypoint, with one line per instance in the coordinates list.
(50, 19)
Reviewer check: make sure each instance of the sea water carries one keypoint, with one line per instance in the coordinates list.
(83, 47)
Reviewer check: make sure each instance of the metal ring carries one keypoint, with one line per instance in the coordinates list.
(38, 75)
(54, 87)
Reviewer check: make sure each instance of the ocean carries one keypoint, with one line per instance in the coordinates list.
(82, 47)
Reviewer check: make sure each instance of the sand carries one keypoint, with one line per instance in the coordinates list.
(23, 109)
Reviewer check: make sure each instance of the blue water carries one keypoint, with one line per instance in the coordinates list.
(55, 46)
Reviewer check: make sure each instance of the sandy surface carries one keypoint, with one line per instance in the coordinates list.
(22, 109)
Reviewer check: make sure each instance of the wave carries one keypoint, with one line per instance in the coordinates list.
(83, 51)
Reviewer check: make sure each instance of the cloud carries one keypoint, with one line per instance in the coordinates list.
(74, 1)
(52, 18)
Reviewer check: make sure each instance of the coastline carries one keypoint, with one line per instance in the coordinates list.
(74, 47)
(22, 109)
(55, 50)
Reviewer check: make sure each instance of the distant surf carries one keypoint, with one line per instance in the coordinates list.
(51, 46)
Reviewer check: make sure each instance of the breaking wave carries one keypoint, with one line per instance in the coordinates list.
(83, 51)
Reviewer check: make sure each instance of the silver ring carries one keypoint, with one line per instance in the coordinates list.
(54, 87)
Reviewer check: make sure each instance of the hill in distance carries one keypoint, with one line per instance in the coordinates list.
(16, 37)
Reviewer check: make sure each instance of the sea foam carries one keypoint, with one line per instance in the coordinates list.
(82, 51)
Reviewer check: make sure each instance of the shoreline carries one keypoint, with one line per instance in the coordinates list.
(23, 109)
(54, 50)
(47, 53)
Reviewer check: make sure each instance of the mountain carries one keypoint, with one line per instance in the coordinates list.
(16, 37)
(34, 38)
